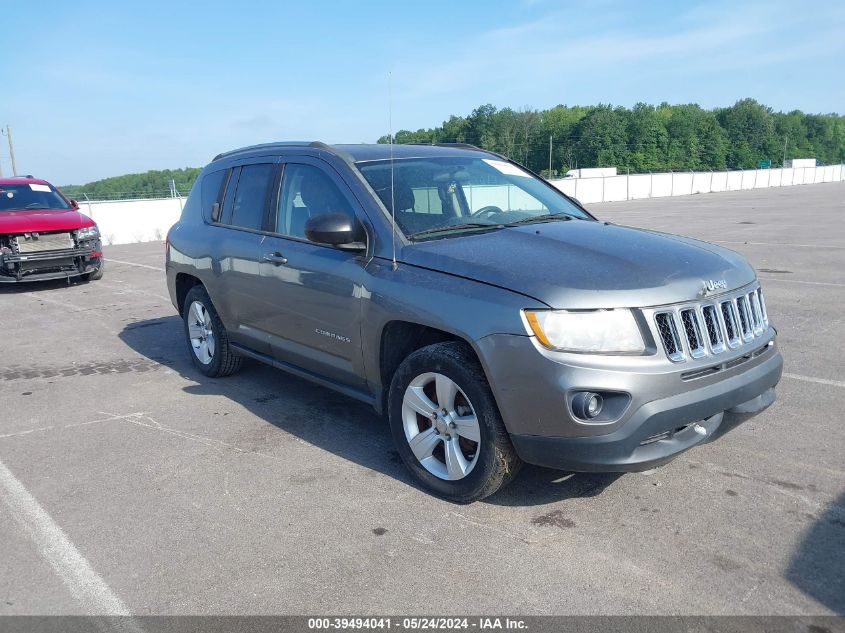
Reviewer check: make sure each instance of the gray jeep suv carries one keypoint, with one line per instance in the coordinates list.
(491, 318)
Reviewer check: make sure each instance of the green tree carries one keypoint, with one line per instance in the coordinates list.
(647, 139)
(602, 138)
(750, 128)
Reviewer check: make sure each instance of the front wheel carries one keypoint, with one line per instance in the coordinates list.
(446, 425)
(97, 274)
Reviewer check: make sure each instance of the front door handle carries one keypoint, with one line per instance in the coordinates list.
(277, 259)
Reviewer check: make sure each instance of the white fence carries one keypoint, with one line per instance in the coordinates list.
(637, 186)
(128, 221)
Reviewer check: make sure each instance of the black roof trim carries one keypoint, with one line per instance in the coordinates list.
(457, 145)
(346, 152)
(261, 146)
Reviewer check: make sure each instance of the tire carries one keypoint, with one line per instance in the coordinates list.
(97, 274)
(206, 337)
(449, 372)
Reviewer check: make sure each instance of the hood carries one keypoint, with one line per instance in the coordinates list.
(42, 220)
(584, 264)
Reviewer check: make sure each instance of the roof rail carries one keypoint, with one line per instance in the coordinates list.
(30, 176)
(459, 145)
(250, 148)
(260, 146)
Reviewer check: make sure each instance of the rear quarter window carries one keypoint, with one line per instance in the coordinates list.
(212, 191)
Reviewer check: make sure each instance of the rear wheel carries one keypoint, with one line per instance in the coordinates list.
(446, 424)
(208, 342)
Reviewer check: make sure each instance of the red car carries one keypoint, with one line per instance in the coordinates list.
(43, 235)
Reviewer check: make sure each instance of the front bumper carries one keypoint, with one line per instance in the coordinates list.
(47, 265)
(665, 417)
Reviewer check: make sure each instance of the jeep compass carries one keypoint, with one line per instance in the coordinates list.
(488, 316)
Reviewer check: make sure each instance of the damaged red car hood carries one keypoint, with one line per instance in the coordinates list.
(42, 220)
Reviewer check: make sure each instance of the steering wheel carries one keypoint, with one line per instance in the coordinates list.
(487, 211)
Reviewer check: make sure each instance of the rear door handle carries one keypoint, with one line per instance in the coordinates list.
(277, 259)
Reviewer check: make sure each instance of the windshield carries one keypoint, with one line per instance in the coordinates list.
(438, 196)
(17, 196)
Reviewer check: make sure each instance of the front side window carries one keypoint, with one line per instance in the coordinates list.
(307, 191)
(17, 196)
(251, 196)
(442, 195)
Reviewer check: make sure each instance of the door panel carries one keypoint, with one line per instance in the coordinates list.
(238, 297)
(314, 291)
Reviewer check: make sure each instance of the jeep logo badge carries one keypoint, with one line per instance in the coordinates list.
(714, 285)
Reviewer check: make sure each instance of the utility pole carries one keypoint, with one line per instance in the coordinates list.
(8, 134)
(785, 141)
(550, 156)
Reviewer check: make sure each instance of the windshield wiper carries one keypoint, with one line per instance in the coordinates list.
(455, 227)
(562, 217)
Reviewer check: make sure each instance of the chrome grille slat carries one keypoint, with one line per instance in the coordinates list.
(745, 327)
(668, 330)
(763, 307)
(731, 323)
(703, 328)
(692, 331)
(713, 327)
(757, 312)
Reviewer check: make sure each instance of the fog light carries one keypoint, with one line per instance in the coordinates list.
(587, 405)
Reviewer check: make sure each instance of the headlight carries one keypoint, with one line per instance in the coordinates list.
(89, 232)
(597, 331)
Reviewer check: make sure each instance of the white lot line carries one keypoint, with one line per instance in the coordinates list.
(779, 244)
(122, 288)
(820, 381)
(97, 320)
(54, 546)
(111, 418)
(801, 281)
(120, 261)
(63, 304)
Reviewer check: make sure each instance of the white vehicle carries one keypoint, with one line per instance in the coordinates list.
(796, 163)
(591, 172)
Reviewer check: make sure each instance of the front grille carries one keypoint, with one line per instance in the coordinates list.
(710, 327)
(669, 335)
(40, 242)
(714, 331)
(693, 333)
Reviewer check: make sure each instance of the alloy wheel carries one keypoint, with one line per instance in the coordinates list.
(441, 426)
(201, 332)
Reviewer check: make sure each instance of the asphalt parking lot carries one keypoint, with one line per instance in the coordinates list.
(131, 482)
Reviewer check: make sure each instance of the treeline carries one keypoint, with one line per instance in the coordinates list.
(152, 184)
(640, 139)
(644, 138)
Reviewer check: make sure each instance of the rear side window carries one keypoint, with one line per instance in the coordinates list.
(212, 185)
(251, 196)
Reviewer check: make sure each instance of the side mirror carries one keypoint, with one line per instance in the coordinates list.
(335, 229)
(74, 204)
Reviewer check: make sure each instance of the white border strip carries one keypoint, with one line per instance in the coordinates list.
(120, 261)
(802, 281)
(820, 381)
(76, 572)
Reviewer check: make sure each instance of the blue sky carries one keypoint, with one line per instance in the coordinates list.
(95, 89)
